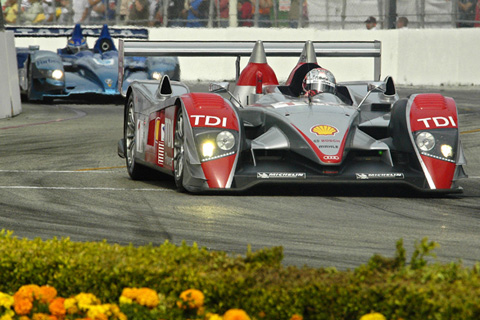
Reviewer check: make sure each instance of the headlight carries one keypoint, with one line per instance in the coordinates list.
(156, 75)
(225, 140)
(425, 141)
(214, 144)
(208, 149)
(57, 74)
(440, 144)
(446, 150)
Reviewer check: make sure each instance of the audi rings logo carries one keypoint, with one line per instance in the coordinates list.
(331, 158)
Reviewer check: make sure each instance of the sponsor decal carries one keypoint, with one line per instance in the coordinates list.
(109, 82)
(328, 146)
(140, 139)
(161, 153)
(168, 133)
(331, 140)
(281, 175)
(438, 122)
(138, 33)
(331, 158)
(208, 121)
(378, 176)
(43, 62)
(324, 130)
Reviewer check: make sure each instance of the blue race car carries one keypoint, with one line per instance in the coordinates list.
(77, 71)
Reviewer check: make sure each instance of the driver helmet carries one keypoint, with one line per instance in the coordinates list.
(319, 80)
(77, 44)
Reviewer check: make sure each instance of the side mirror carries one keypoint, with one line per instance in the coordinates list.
(218, 87)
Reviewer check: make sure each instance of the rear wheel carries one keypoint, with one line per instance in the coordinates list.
(135, 170)
(179, 151)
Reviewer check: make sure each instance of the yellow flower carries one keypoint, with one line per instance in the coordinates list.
(6, 300)
(147, 297)
(40, 316)
(97, 312)
(213, 316)
(7, 315)
(373, 316)
(125, 300)
(130, 293)
(192, 298)
(84, 300)
(236, 314)
(69, 303)
(296, 317)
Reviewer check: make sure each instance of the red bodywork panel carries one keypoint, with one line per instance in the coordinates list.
(218, 171)
(430, 112)
(210, 111)
(433, 111)
(248, 77)
(207, 110)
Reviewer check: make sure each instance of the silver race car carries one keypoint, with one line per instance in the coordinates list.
(310, 129)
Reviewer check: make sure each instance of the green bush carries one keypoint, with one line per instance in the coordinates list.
(256, 283)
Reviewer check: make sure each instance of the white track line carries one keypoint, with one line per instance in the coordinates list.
(85, 188)
(56, 171)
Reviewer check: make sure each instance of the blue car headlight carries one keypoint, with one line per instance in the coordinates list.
(156, 75)
(55, 74)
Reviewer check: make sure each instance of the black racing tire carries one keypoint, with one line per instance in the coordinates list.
(135, 170)
(179, 151)
(398, 128)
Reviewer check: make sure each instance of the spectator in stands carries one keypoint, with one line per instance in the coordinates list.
(466, 13)
(95, 11)
(293, 13)
(78, 8)
(222, 13)
(195, 13)
(139, 12)
(10, 11)
(371, 23)
(402, 23)
(49, 10)
(156, 13)
(63, 12)
(477, 15)
(245, 14)
(33, 13)
(175, 13)
(111, 10)
(264, 9)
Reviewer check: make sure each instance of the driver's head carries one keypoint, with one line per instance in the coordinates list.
(76, 44)
(319, 80)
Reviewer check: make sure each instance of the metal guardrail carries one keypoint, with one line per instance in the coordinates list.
(361, 49)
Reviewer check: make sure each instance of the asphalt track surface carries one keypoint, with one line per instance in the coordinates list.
(60, 176)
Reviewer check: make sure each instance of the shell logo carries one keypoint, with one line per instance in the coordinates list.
(324, 130)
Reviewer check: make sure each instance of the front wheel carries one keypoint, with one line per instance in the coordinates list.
(179, 151)
(135, 170)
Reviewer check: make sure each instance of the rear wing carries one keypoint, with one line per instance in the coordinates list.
(115, 32)
(239, 49)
